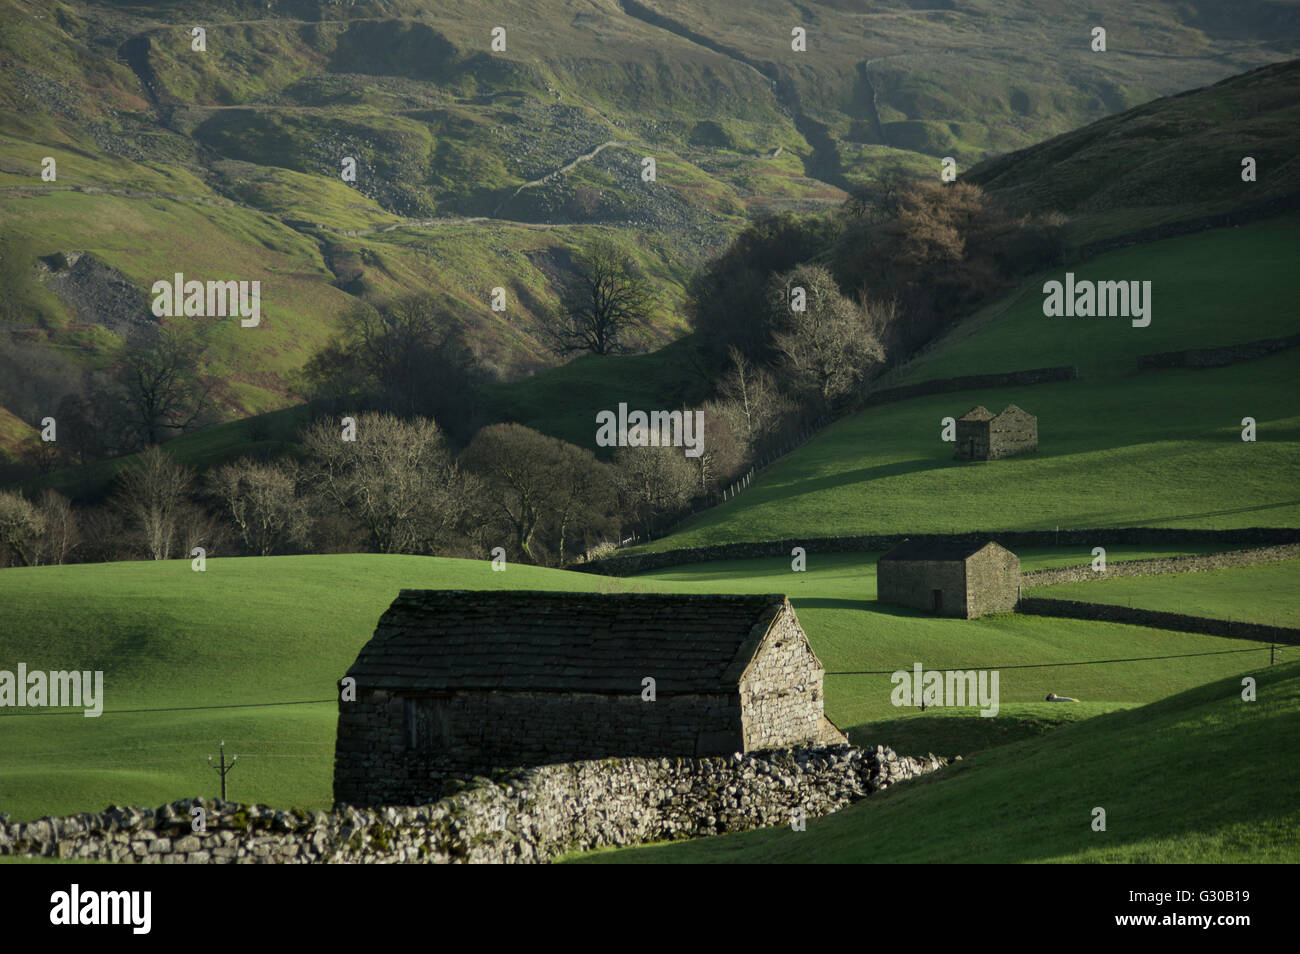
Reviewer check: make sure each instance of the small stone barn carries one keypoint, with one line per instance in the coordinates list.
(965, 580)
(983, 435)
(457, 683)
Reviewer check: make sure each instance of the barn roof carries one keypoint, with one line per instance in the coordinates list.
(932, 550)
(568, 642)
(978, 413)
(1018, 410)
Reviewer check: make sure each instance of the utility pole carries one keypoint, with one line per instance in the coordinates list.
(224, 770)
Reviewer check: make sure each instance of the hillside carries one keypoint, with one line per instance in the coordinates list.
(479, 168)
(1198, 777)
(1117, 447)
(1172, 159)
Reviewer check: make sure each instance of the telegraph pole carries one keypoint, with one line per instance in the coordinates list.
(224, 769)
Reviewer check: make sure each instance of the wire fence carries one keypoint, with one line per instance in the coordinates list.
(1275, 652)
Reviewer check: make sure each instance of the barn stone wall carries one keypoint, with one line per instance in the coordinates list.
(475, 732)
(531, 815)
(972, 440)
(781, 695)
(992, 582)
(1012, 432)
(913, 582)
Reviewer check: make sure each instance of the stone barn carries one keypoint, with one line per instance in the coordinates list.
(964, 580)
(983, 435)
(458, 683)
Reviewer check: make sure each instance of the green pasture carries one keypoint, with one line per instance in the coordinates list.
(1257, 594)
(1202, 776)
(252, 631)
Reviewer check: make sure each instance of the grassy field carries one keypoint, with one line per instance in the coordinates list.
(1197, 282)
(252, 631)
(1257, 594)
(861, 642)
(1155, 449)
(1199, 777)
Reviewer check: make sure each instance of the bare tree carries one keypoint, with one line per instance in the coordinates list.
(827, 347)
(153, 495)
(261, 501)
(721, 455)
(760, 405)
(21, 526)
(606, 299)
(61, 534)
(165, 386)
(396, 479)
(535, 484)
(407, 355)
(655, 481)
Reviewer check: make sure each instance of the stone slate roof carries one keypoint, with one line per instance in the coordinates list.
(435, 640)
(978, 413)
(1011, 407)
(932, 550)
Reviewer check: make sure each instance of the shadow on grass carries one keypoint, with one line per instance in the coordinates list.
(965, 732)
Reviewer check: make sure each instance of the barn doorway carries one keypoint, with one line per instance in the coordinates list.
(971, 454)
(937, 596)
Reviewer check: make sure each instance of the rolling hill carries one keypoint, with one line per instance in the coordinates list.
(250, 651)
(479, 168)
(1117, 447)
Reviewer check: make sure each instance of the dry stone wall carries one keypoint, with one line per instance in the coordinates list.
(1086, 539)
(527, 815)
(1158, 619)
(1217, 357)
(971, 382)
(1196, 563)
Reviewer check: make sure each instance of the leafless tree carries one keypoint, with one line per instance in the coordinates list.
(655, 481)
(535, 485)
(749, 392)
(722, 455)
(606, 299)
(261, 500)
(21, 527)
(396, 479)
(827, 348)
(166, 389)
(153, 496)
(61, 534)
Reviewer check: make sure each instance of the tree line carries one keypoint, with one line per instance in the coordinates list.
(793, 321)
